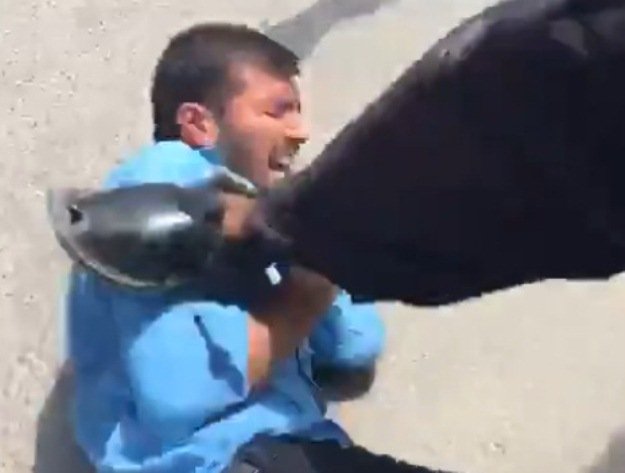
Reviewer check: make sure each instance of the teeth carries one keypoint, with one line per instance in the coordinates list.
(283, 163)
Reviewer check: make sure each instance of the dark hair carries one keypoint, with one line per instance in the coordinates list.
(196, 67)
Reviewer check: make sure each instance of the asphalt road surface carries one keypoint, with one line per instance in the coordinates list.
(531, 380)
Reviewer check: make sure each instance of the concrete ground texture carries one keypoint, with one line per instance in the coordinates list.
(529, 380)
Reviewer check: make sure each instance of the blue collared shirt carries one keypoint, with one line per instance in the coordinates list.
(161, 383)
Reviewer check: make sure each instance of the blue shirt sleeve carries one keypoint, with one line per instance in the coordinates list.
(349, 336)
(185, 362)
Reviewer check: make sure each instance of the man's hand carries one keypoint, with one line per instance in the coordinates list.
(237, 213)
(280, 325)
(304, 287)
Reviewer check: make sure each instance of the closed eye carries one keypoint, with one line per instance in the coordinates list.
(281, 108)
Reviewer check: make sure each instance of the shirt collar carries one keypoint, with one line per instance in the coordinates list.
(210, 154)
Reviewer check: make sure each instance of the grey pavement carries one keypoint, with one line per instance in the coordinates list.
(530, 380)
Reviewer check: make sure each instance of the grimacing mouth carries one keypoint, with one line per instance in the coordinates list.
(282, 162)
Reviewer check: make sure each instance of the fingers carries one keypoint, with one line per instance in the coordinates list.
(236, 215)
(231, 183)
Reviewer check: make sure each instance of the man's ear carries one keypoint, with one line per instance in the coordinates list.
(198, 126)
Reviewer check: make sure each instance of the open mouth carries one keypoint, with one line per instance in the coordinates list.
(281, 165)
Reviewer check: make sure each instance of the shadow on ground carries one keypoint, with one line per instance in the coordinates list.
(612, 460)
(55, 451)
(303, 31)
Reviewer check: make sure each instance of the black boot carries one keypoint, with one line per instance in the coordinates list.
(160, 235)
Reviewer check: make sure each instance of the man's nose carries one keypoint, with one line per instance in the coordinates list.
(298, 131)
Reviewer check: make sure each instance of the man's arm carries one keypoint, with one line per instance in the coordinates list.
(278, 326)
(346, 338)
(188, 362)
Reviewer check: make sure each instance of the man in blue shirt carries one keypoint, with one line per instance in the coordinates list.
(168, 381)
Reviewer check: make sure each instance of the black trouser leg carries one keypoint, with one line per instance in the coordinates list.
(288, 455)
(329, 457)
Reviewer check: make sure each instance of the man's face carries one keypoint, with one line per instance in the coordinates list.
(261, 128)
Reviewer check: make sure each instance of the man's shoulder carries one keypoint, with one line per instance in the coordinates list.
(169, 161)
(86, 289)
(162, 162)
